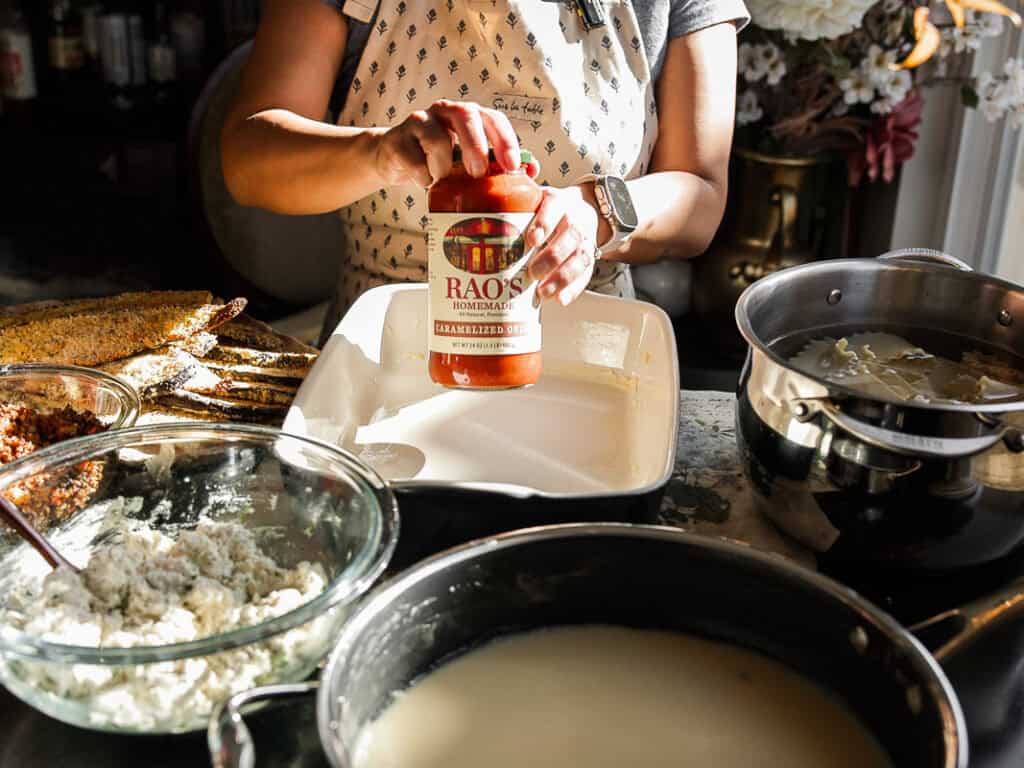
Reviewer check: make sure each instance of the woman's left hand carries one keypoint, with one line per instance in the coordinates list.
(564, 232)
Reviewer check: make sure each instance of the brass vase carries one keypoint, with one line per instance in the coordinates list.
(779, 214)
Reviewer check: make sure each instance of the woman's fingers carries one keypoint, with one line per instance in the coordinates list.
(502, 137)
(465, 119)
(559, 245)
(577, 271)
(434, 132)
(565, 258)
(406, 161)
(544, 220)
(435, 141)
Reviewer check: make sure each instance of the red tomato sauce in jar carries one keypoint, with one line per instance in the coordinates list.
(484, 327)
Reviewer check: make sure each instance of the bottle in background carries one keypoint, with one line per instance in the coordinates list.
(188, 36)
(137, 46)
(161, 56)
(64, 41)
(17, 67)
(116, 57)
(91, 12)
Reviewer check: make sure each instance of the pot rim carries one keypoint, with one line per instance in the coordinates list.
(766, 283)
(954, 725)
(792, 161)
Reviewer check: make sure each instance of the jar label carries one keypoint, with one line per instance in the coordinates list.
(481, 301)
(66, 53)
(17, 75)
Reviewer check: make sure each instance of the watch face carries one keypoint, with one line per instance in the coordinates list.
(621, 202)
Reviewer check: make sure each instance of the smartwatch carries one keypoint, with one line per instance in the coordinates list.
(615, 204)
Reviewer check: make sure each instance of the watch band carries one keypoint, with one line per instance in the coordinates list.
(604, 207)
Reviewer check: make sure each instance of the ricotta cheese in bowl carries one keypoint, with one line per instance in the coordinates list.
(229, 566)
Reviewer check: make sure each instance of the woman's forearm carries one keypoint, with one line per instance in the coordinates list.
(678, 214)
(287, 163)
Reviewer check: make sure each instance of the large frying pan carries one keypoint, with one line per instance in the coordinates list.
(636, 576)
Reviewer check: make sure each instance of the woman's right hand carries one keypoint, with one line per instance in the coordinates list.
(419, 149)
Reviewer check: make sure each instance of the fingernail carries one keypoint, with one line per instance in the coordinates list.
(548, 290)
(564, 298)
(511, 159)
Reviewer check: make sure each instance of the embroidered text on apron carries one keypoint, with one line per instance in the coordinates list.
(582, 102)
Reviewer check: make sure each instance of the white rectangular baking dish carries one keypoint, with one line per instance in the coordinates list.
(603, 418)
(600, 426)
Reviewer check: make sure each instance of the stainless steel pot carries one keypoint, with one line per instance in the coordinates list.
(861, 478)
(634, 576)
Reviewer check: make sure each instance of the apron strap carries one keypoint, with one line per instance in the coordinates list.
(360, 10)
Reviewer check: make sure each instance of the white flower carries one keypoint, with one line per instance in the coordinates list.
(768, 53)
(991, 110)
(966, 39)
(756, 62)
(857, 88)
(745, 56)
(1002, 96)
(1014, 71)
(883, 106)
(895, 86)
(747, 109)
(877, 64)
(776, 72)
(809, 19)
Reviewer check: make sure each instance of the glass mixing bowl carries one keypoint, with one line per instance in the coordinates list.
(50, 387)
(301, 499)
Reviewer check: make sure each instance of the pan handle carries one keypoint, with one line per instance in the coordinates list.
(948, 632)
(917, 446)
(227, 736)
(926, 256)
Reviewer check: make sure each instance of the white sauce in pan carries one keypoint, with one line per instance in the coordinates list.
(599, 696)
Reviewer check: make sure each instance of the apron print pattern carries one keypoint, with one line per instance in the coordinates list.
(582, 102)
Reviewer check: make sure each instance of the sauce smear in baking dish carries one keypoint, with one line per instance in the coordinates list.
(484, 321)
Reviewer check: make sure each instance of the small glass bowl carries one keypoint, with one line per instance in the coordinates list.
(51, 387)
(303, 500)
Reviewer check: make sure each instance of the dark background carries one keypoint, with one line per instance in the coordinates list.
(99, 198)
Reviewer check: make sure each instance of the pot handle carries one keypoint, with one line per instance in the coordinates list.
(926, 256)
(917, 446)
(227, 736)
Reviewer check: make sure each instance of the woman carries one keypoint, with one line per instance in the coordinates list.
(644, 91)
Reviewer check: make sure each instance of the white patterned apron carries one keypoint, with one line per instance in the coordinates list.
(581, 101)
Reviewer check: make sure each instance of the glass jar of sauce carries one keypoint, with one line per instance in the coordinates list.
(484, 321)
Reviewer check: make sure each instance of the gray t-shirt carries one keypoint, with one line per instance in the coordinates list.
(659, 20)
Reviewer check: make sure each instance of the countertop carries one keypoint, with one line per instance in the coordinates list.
(708, 494)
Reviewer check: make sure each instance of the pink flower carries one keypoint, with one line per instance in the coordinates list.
(888, 142)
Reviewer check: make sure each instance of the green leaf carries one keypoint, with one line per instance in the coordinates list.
(969, 97)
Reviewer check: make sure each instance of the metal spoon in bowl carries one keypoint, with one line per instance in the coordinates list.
(9, 512)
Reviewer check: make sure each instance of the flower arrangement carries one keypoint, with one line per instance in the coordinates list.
(845, 76)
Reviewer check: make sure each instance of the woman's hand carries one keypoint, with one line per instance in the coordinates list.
(564, 231)
(419, 149)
